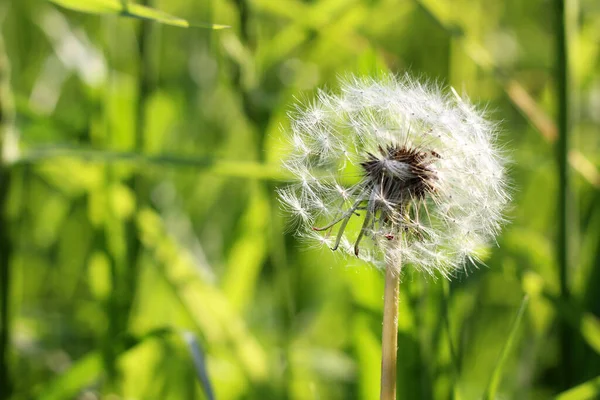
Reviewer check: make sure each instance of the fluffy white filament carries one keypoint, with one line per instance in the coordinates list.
(440, 231)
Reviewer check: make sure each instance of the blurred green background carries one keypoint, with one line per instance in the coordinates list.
(143, 254)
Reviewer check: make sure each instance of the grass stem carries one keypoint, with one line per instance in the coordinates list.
(562, 151)
(7, 119)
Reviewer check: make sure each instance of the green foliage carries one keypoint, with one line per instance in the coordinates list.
(492, 389)
(143, 253)
(587, 390)
(123, 9)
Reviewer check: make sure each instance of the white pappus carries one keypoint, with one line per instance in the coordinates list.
(397, 173)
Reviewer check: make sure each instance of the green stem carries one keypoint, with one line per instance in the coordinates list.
(389, 337)
(125, 267)
(7, 117)
(5, 255)
(453, 355)
(562, 148)
(137, 183)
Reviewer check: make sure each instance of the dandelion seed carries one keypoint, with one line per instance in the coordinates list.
(393, 168)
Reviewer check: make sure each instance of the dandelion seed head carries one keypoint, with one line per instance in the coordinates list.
(396, 172)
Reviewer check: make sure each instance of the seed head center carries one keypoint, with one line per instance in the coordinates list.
(396, 178)
(400, 174)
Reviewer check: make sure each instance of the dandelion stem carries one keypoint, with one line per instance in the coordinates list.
(389, 338)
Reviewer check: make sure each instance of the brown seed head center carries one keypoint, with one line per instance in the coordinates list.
(401, 174)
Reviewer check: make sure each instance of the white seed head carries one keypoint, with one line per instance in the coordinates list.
(395, 172)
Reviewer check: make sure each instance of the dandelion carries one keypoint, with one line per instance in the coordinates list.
(420, 170)
(396, 173)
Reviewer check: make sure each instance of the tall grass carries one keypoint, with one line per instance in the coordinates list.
(7, 116)
(565, 222)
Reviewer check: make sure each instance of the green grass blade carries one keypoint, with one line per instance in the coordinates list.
(89, 368)
(125, 9)
(456, 390)
(7, 148)
(490, 392)
(199, 363)
(82, 373)
(249, 252)
(586, 323)
(587, 390)
(237, 169)
(220, 324)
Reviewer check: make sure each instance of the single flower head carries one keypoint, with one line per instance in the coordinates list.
(395, 172)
